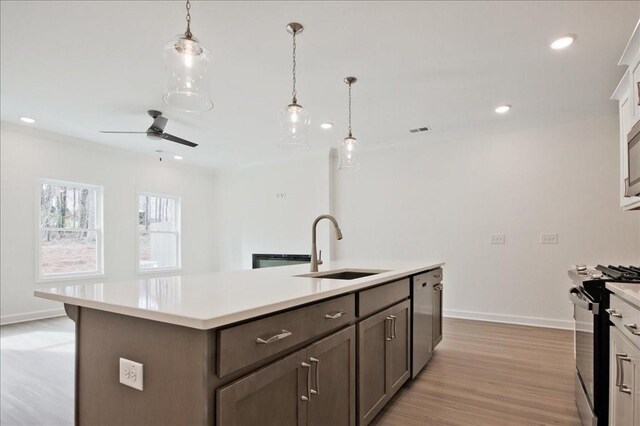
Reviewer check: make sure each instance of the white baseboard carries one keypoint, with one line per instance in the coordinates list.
(511, 319)
(30, 316)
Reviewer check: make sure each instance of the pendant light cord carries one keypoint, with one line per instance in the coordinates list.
(187, 33)
(294, 93)
(350, 135)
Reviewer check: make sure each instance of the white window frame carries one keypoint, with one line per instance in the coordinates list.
(177, 233)
(99, 230)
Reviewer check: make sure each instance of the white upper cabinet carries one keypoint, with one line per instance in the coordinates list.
(628, 96)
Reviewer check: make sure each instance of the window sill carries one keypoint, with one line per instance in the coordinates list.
(157, 271)
(61, 278)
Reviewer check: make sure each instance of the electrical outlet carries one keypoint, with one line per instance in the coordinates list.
(497, 238)
(548, 238)
(131, 373)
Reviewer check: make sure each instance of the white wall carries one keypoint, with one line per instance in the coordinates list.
(438, 198)
(27, 155)
(441, 199)
(254, 219)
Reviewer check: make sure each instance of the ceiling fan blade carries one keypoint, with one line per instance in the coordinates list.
(114, 131)
(176, 139)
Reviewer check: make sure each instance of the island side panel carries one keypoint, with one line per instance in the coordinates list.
(178, 368)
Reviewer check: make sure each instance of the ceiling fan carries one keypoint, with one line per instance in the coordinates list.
(156, 130)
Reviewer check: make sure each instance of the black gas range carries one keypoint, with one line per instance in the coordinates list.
(591, 336)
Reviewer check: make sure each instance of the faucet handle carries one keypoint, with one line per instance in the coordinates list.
(319, 257)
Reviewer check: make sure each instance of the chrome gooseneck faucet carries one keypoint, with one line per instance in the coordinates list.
(315, 259)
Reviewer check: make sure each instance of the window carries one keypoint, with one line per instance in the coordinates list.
(70, 230)
(158, 232)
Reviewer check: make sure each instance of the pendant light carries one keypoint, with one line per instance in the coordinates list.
(294, 119)
(187, 68)
(348, 156)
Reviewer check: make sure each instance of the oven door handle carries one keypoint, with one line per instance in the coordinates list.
(578, 298)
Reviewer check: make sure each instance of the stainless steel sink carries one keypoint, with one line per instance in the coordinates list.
(343, 274)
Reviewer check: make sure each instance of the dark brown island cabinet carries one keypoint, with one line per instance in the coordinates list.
(334, 362)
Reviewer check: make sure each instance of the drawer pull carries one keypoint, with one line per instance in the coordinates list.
(612, 312)
(283, 335)
(633, 328)
(335, 316)
(437, 276)
(437, 287)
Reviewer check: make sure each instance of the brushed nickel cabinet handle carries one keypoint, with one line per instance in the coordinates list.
(393, 322)
(316, 391)
(308, 367)
(633, 328)
(612, 312)
(618, 355)
(282, 335)
(335, 315)
(437, 287)
(622, 387)
(437, 276)
(387, 328)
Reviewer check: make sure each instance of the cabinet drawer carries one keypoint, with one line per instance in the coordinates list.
(430, 277)
(625, 317)
(246, 344)
(372, 300)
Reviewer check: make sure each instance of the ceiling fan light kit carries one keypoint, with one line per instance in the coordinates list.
(187, 69)
(294, 119)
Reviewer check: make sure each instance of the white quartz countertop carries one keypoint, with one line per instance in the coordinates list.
(206, 301)
(628, 292)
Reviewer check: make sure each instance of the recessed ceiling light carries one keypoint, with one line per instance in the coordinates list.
(503, 108)
(326, 126)
(563, 42)
(177, 157)
(27, 120)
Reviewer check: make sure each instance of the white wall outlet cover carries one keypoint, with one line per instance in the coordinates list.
(131, 374)
(548, 238)
(497, 239)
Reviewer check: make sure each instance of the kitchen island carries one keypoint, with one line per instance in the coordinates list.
(268, 346)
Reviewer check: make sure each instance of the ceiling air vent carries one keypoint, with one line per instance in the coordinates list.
(420, 129)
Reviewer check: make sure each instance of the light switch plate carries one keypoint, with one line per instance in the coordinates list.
(548, 238)
(497, 238)
(131, 373)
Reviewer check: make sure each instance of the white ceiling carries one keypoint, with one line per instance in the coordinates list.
(80, 67)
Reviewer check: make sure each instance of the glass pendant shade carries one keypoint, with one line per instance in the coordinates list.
(348, 160)
(187, 69)
(295, 123)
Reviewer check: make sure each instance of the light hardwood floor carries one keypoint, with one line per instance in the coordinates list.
(494, 374)
(37, 373)
(482, 374)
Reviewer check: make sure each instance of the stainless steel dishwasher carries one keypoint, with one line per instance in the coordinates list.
(422, 298)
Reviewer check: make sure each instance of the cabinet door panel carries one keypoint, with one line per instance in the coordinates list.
(333, 361)
(271, 396)
(398, 347)
(372, 366)
(623, 401)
